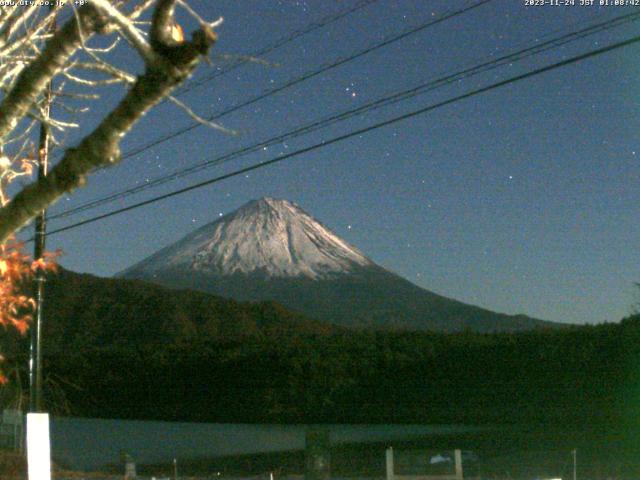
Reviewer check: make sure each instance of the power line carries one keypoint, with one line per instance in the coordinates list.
(307, 76)
(387, 100)
(354, 133)
(323, 22)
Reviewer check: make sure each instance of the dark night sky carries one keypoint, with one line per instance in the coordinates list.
(522, 200)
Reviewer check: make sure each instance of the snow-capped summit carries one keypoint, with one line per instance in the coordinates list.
(273, 238)
(272, 250)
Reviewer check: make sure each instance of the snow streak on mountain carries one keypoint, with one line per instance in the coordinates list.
(274, 238)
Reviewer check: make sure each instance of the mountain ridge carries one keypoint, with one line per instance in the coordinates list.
(273, 250)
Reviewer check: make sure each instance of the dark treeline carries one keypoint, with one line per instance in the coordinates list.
(579, 376)
(131, 350)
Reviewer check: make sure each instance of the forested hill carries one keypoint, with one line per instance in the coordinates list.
(133, 350)
(85, 311)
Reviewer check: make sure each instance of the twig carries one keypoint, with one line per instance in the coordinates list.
(128, 30)
(199, 119)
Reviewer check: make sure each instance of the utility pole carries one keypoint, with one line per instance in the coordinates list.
(38, 435)
(574, 452)
(35, 360)
(35, 351)
(175, 469)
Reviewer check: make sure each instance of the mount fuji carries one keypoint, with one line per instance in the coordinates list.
(273, 250)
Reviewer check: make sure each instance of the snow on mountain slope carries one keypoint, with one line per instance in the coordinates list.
(272, 250)
(275, 238)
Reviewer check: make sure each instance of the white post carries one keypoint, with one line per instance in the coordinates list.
(458, 457)
(390, 463)
(38, 446)
(129, 468)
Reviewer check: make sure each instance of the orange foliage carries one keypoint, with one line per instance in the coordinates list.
(16, 270)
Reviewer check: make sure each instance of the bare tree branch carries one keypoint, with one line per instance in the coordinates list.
(128, 30)
(198, 118)
(173, 62)
(33, 80)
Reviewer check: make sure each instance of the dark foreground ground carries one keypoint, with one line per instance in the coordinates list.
(526, 454)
